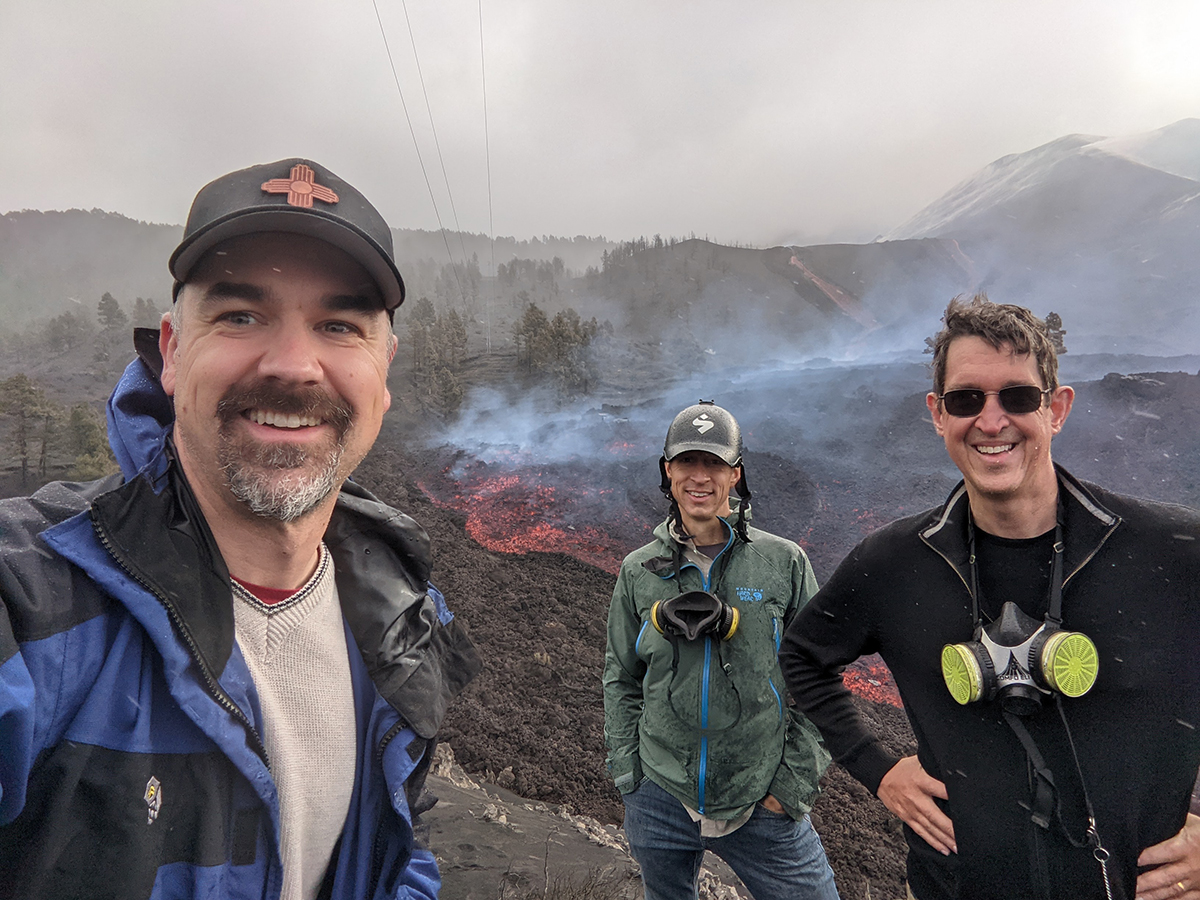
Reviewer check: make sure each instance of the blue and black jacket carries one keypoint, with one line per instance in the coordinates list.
(131, 757)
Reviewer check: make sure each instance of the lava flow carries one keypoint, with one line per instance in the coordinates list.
(540, 510)
(520, 514)
(869, 677)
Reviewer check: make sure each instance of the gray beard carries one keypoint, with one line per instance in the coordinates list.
(274, 482)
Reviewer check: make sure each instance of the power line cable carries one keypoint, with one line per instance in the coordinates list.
(438, 146)
(412, 131)
(487, 152)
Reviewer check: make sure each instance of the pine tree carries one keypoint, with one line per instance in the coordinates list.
(455, 331)
(145, 313)
(110, 314)
(447, 391)
(25, 403)
(67, 331)
(51, 421)
(1056, 332)
(423, 312)
(88, 444)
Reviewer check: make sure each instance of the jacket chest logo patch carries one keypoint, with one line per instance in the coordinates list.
(153, 799)
(749, 595)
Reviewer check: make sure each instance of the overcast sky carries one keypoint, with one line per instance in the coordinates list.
(750, 120)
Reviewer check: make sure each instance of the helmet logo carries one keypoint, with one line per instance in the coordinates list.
(703, 423)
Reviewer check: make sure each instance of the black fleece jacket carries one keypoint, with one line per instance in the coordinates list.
(1132, 585)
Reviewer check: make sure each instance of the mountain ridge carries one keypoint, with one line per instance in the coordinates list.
(1100, 230)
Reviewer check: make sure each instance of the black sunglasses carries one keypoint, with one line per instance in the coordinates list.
(1017, 400)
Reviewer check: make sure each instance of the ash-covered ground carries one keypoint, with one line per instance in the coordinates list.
(533, 721)
(832, 454)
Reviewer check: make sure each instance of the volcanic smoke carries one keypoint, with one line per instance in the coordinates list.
(525, 513)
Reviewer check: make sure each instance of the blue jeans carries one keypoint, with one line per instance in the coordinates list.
(776, 857)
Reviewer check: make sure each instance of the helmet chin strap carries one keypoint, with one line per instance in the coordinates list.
(743, 492)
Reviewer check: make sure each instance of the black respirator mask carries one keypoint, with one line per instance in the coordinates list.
(685, 619)
(693, 614)
(1016, 659)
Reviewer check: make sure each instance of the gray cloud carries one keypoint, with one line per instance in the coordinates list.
(764, 123)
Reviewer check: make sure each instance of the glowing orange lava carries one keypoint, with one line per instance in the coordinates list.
(539, 511)
(518, 514)
(869, 677)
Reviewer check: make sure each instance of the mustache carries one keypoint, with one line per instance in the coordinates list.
(1006, 435)
(300, 401)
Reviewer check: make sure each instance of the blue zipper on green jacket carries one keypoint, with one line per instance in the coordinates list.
(770, 682)
(706, 580)
(704, 723)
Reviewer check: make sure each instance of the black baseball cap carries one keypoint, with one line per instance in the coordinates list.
(705, 427)
(297, 196)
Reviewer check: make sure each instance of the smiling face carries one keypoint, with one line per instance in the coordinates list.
(276, 356)
(1004, 457)
(700, 484)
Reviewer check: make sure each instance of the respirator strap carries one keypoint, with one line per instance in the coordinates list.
(674, 639)
(737, 695)
(1054, 603)
(1054, 610)
(1044, 802)
(1093, 835)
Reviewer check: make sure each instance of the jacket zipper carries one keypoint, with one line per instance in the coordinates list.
(704, 724)
(706, 581)
(377, 851)
(778, 699)
(211, 684)
(770, 680)
(1037, 876)
(387, 738)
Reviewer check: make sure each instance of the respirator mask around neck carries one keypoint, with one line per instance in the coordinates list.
(693, 614)
(1020, 662)
(1015, 659)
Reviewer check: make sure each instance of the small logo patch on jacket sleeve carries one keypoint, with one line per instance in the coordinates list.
(153, 799)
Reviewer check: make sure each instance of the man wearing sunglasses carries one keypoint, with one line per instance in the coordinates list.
(1042, 633)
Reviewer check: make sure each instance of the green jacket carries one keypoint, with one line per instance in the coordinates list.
(712, 728)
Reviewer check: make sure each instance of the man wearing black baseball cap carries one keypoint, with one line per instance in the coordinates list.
(221, 672)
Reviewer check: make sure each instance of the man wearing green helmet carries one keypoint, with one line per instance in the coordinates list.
(701, 745)
(1042, 634)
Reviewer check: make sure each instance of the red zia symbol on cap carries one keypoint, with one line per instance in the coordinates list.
(301, 187)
